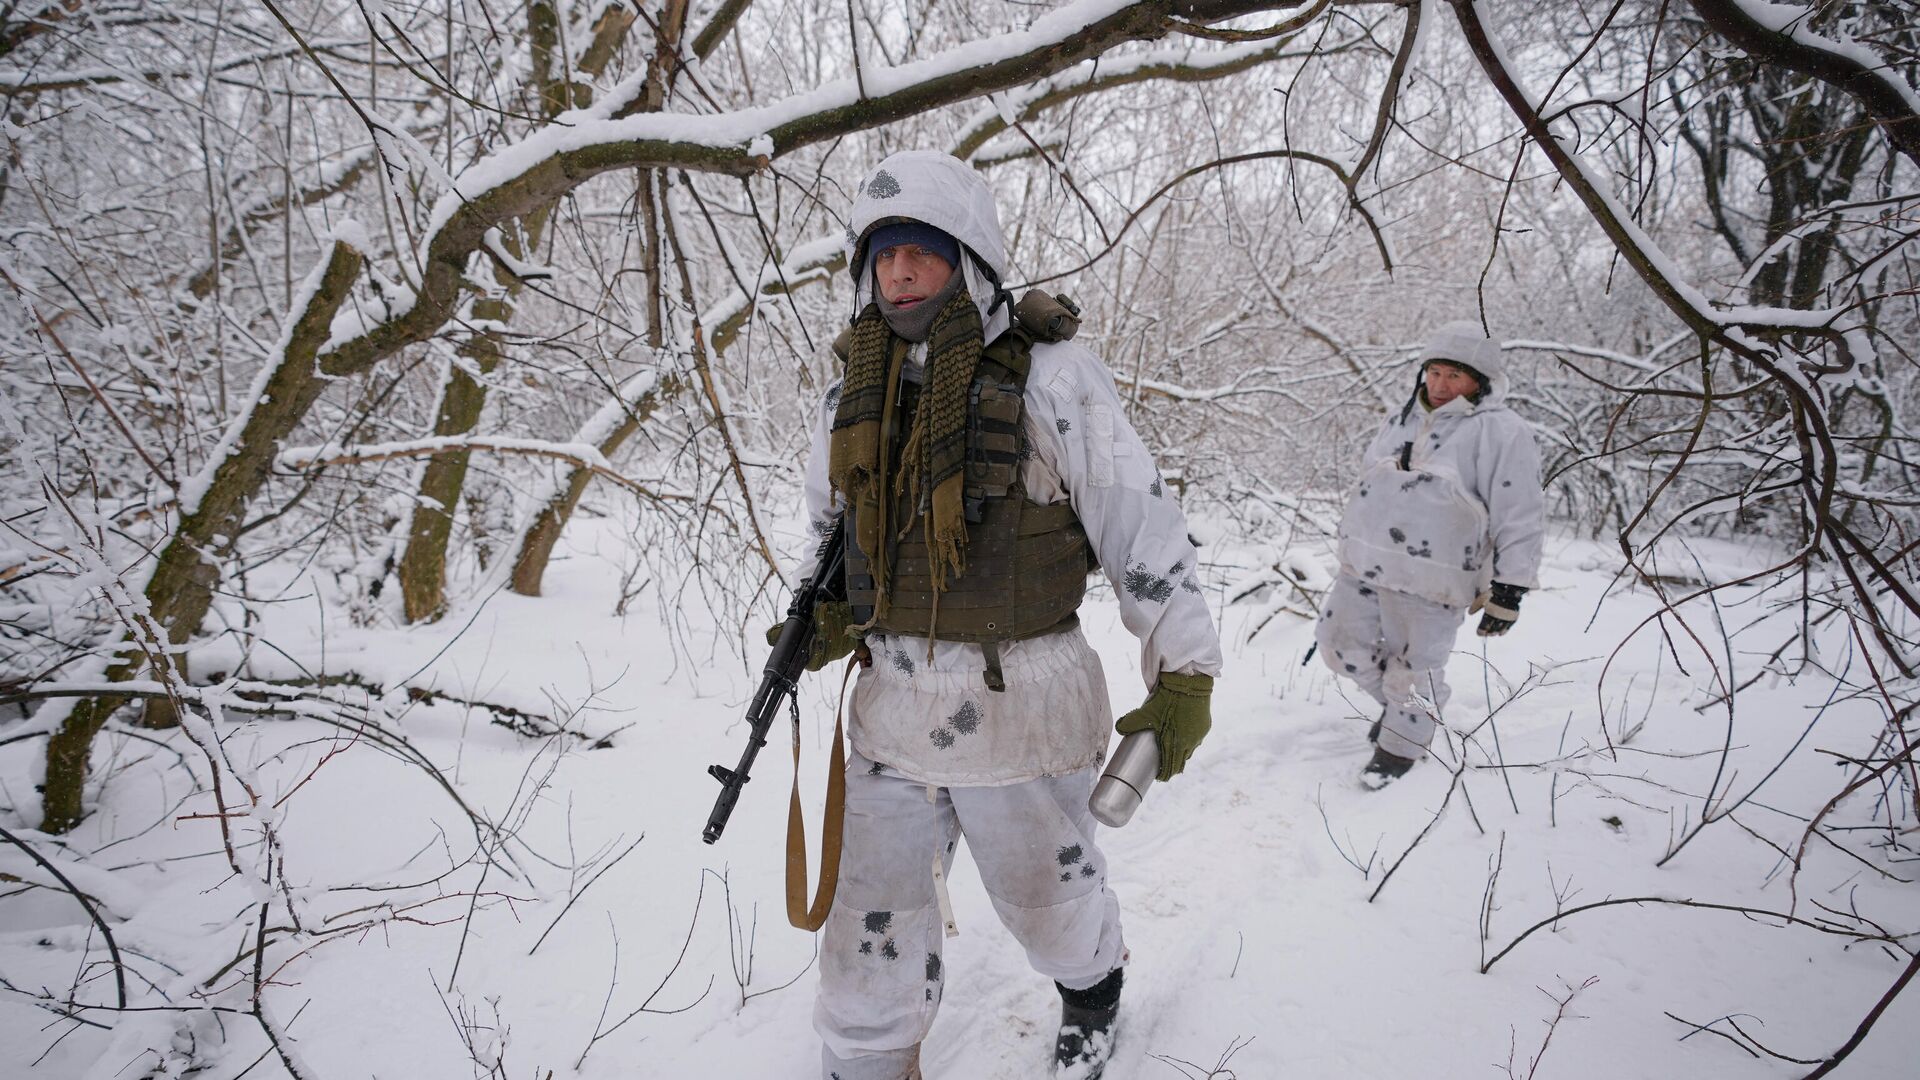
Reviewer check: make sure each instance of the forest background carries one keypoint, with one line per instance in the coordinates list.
(347, 320)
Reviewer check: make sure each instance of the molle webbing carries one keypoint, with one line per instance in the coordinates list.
(1026, 565)
(1026, 574)
(994, 405)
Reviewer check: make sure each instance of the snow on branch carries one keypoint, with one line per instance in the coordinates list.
(35, 81)
(583, 454)
(813, 261)
(1752, 334)
(1780, 34)
(612, 134)
(1612, 356)
(1185, 63)
(495, 246)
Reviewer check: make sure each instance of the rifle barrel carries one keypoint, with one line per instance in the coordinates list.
(780, 678)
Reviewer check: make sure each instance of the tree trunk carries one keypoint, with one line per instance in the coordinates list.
(536, 545)
(423, 565)
(181, 588)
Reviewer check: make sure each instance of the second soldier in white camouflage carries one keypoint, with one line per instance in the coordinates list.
(1447, 517)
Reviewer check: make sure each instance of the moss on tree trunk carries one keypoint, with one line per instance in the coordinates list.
(181, 588)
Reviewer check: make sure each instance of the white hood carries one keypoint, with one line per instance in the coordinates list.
(942, 191)
(1462, 342)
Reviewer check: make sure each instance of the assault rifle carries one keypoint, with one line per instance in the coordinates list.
(784, 667)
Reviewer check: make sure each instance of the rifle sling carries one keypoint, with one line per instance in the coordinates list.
(798, 913)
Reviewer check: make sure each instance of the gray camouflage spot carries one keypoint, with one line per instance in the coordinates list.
(883, 185)
(1397, 536)
(1060, 424)
(877, 922)
(1144, 585)
(1070, 854)
(967, 720)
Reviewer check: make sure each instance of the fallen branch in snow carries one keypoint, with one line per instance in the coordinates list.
(1452, 786)
(600, 1031)
(1813, 825)
(1866, 1025)
(1366, 868)
(1755, 1047)
(1823, 926)
(1751, 1045)
(292, 698)
(1486, 898)
(582, 891)
(1711, 1030)
(1219, 1071)
(86, 904)
(1561, 1013)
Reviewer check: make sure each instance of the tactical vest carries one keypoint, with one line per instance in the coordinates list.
(1026, 565)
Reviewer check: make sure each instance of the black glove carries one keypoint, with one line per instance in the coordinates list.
(1501, 610)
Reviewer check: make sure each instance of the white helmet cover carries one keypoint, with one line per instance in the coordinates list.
(1463, 343)
(936, 188)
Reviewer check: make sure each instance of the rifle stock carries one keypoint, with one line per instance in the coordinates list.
(781, 677)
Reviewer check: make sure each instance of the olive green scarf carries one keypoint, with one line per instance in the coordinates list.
(931, 473)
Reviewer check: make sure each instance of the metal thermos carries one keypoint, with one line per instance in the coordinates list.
(1124, 782)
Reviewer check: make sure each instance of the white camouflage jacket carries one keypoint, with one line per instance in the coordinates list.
(933, 718)
(1465, 508)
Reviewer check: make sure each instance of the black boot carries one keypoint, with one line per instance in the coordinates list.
(1085, 1044)
(1384, 769)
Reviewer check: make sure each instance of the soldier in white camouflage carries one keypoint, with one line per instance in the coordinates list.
(1447, 518)
(985, 466)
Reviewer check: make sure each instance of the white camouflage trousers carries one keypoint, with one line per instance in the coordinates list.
(880, 956)
(1395, 647)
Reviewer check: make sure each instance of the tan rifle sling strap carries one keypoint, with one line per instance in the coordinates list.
(831, 822)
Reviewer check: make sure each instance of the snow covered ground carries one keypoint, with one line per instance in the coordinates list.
(1259, 945)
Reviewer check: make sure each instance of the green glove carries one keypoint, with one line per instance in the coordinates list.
(831, 641)
(1178, 712)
